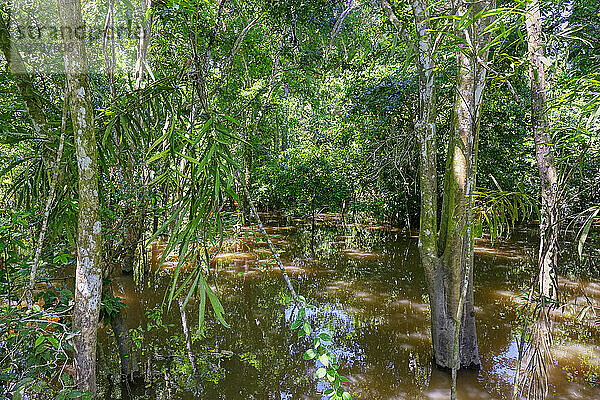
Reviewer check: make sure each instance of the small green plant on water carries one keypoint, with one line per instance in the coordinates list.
(320, 351)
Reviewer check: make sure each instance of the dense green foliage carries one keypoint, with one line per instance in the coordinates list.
(310, 105)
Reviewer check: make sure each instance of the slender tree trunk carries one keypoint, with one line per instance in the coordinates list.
(537, 352)
(544, 155)
(88, 282)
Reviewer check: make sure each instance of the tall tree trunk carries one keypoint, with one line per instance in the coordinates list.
(88, 282)
(544, 155)
(456, 230)
(425, 131)
(448, 262)
(537, 353)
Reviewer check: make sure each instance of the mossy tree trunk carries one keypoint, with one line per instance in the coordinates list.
(88, 282)
(426, 134)
(448, 260)
(456, 244)
(544, 154)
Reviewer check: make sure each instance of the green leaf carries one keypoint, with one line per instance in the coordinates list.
(331, 375)
(321, 372)
(202, 293)
(325, 337)
(53, 341)
(217, 307)
(336, 383)
(157, 156)
(296, 324)
(306, 328)
(329, 392)
(585, 230)
(309, 354)
(324, 358)
(39, 341)
(346, 396)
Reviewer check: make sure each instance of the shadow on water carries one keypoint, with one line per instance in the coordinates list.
(368, 286)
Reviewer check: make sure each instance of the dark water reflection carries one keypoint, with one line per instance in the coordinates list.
(369, 289)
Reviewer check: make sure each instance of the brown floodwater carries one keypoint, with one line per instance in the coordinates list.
(369, 289)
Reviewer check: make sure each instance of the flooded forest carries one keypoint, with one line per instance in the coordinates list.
(302, 199)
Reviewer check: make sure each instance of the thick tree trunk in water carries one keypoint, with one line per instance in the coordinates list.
(456, 228)
(448, 262)
(88, 282)
(425, 131)
(548, 252)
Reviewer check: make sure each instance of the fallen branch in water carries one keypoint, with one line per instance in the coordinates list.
(270, 243)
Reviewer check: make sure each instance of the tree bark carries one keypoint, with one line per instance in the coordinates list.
(456, 234)
(448, 261)
(425, 131)
(544, 155)
(145, 31)
(88, 282)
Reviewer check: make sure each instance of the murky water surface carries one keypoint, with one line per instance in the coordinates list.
(369, 289)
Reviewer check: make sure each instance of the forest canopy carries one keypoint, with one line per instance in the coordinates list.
(166, 143)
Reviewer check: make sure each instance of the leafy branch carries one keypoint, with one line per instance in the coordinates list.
(321, 352)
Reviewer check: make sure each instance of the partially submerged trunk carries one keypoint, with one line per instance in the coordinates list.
(441, 329)
(130, 372)
(129, 367)
(88, 282)
(544, 154)
(456, 245)
(448, 262)
(537, 351)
